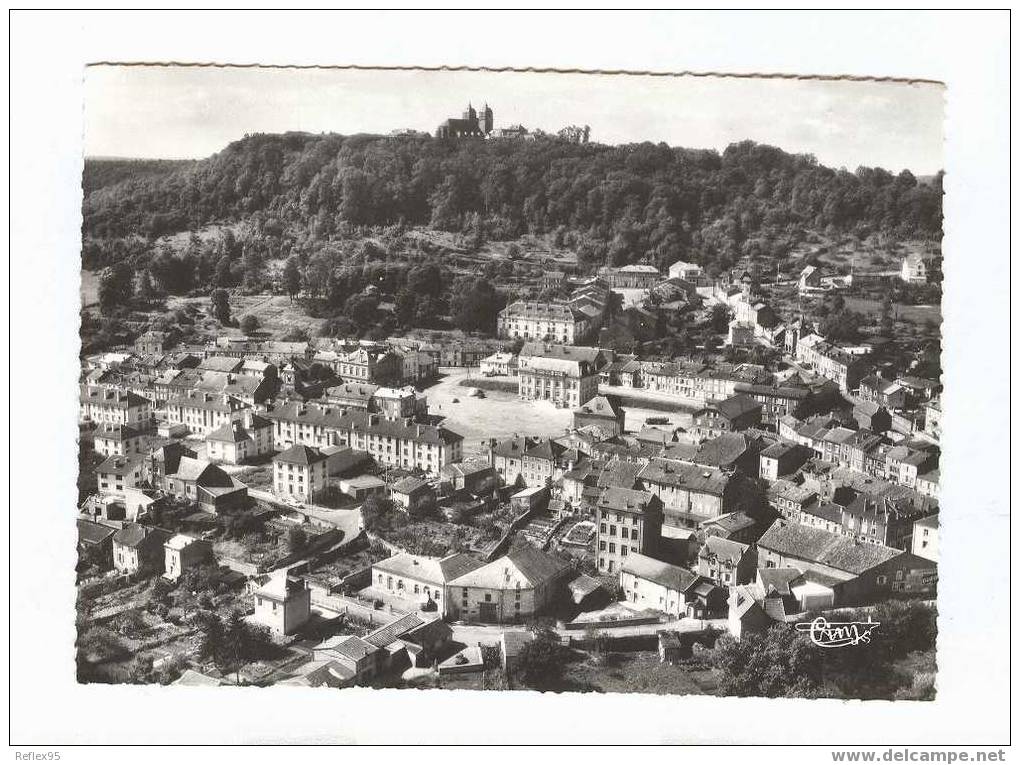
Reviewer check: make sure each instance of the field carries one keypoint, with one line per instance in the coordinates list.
(915, 314)
(277, 314)
(501, 414)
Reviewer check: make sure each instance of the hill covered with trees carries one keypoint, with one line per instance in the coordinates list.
(100, 172)
(614, 204)
(354, 221)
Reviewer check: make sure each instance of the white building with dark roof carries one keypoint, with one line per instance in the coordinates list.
(523, 583)
(419, 579)
(530, 320)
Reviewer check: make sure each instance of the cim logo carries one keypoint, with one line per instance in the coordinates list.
(826, 634)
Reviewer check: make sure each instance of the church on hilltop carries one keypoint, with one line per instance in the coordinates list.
(472, 124)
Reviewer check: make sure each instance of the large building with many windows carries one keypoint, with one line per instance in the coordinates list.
(556, 322)
(396, 442)
(565, 378)
(629, 521)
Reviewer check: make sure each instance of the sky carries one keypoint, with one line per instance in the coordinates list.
(192, 112)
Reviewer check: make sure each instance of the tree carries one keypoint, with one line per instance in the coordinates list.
(477, 303)
(292, 277)
(540, 662)
(376, 512)
(297, 540)
(220, 300)
(115, 287)
(249, 324)
(778, 662)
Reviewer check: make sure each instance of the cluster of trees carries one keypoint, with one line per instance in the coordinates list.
(614, 204)
(784, 662)
(232, 643)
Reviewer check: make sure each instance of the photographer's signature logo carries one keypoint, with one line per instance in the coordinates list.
(826, 634)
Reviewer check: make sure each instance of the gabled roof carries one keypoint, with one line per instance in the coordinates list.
(735, 406)
(120, 464)
(134, 534)
(395, 630)
(628, 500)
(409, 485)
(600, 406)
(723, 549)
(93, 533)
(524, 567)
(665, 574)
(829, 549)
(300, 454)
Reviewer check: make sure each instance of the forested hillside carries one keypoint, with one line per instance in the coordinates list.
(617, 204)
(106, 172)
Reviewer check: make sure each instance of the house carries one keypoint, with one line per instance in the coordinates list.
(95, 544)
(640, 276)
(925, 540)
(652, 584)
(791, 499)
(415, 638)
(299, 473)
(474, 476)
(343, 661)
(101, 404)
(856, 572)
(525, 582)
(507, 458)
(361, 487)
(629, 521)
(915, 268)
(207, 484)
(139, 549)
(225, 364)
(115, 439)
(556, 322)
(728, 452)
(832, 362)
(601, 412)
(872, 416)
(781, 459)
(794, 397)
(163, 461)
(738, 527)
(737, 412)
(413, 495)
(397, 403)
(351, 395)
(688, 493)
(421, 579)
(202, 411)
(117, 473)
(810, 280)
(283, 604)
(545, 462)
(499, 364)
(878, 390)
(753, 610)
(152, 342)
(183, 553)
(726, 561)
(690, 272)
(558, 378)
(239, 440)
(530, 499)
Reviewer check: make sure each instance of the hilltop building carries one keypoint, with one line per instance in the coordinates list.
(472, 124)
